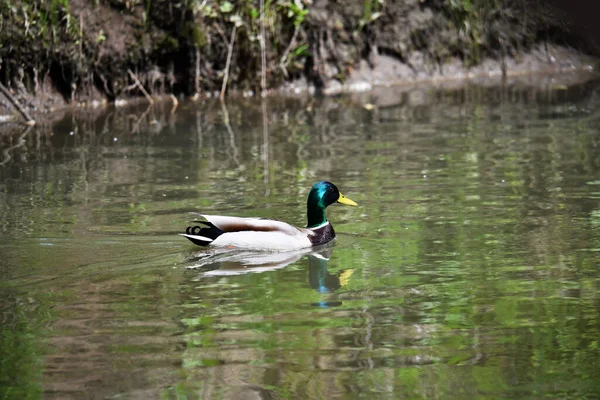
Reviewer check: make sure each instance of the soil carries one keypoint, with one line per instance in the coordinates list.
(96, 50)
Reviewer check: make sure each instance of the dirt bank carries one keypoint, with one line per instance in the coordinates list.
(60, 52)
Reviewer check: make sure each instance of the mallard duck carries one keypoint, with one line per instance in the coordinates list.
(270, 234)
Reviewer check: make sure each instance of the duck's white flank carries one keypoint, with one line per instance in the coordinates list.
(263, 240)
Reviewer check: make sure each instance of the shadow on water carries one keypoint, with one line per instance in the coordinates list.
(469, 270)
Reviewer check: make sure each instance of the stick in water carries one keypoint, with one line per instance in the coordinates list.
(6, 92)
(139, 85)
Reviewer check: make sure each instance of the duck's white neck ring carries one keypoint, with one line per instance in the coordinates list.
(319, 226)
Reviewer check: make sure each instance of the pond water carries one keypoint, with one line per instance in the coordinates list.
(470, 268)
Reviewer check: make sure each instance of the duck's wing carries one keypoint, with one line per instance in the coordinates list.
(239, 224)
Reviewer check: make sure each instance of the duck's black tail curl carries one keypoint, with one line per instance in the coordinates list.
(202, 234)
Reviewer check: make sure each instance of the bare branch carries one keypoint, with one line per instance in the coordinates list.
(139, 85)
(228, 64)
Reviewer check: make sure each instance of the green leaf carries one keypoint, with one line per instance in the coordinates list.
(301, 50)
(254, 13)
(101, 37)
(226, 7)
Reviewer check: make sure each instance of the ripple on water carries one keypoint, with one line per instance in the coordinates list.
(468, 270)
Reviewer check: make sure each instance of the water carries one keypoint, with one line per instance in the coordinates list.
(469, 269)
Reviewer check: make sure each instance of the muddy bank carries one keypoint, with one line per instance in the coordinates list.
(57, 53)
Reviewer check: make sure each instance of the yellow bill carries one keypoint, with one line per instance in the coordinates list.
(344, 200)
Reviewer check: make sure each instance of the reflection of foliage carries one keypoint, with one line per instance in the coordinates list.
(21, 364)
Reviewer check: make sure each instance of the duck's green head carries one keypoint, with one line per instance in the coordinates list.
(322, 195)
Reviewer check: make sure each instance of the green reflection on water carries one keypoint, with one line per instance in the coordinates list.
(469, 269)
(22, 347)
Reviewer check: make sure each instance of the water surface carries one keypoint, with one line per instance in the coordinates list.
(469, 269)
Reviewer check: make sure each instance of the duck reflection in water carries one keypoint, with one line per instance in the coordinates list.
(228, 263)
(322, 280)
(319, 277)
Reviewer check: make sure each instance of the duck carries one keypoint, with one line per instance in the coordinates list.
(244, 233)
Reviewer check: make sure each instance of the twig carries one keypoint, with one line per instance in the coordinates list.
(103, 79)
(220, 32)
(80, 38)
(130, 87)
(26, 22)
(6, 92)
(197, 80)
(229, 53)
(139, 85)
(263, 57)
(36, 83)
(283, 61)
